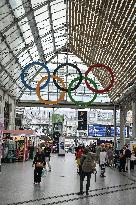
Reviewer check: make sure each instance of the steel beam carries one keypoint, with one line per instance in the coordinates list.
(6, 91)
(34, 29)
(65, 104)
(128, 96)
(30, 45)
(26, 14)
(51, 25)
(3, 67)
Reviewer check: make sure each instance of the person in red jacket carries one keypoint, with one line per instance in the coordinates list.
(79, 154)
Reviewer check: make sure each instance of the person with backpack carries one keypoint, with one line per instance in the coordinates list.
(88, 166)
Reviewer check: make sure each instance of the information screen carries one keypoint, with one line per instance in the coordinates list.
(97, 130)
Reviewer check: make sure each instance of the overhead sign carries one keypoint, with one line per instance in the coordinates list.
(98, 130)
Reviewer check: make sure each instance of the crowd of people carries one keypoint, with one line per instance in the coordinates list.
(88, 157)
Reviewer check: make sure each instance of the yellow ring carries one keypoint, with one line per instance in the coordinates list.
(48, 102)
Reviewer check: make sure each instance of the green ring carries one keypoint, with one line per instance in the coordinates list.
(86, 104)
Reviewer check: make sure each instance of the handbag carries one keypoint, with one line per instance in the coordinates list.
(39, 164)
(44, 172)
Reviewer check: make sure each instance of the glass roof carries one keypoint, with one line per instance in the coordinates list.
(39, 30)
(21, 25)
(35, 32)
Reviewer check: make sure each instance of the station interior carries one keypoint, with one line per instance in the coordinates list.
(67, 95)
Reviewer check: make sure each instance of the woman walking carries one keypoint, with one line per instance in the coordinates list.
(39, 162)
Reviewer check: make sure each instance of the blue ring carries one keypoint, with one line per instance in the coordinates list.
(31, 64)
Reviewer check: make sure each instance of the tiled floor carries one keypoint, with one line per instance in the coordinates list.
(16, 185)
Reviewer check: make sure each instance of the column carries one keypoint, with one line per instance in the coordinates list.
(123, 113)
(115, 127)
(134, 120)
(0, 148)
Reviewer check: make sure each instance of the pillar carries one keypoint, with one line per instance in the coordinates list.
(0, 148)
(123, 113)
(115, 127)
(134, 120)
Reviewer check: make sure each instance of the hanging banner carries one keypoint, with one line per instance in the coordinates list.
(61, 146)
(56, 118)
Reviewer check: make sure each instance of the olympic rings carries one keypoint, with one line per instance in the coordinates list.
(111, 82)
(25, 69)
(47, 101)
(72, 65)
(70, 88)
(78, 102)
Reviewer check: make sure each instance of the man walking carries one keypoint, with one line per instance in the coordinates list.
(88, 166)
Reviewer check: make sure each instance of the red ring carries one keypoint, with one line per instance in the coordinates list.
(111, 81)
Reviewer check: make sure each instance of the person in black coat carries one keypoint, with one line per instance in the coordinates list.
(39, 162)
(122, 161)
(47, 155)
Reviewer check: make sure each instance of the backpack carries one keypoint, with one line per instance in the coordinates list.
(110, 153)
(89, 164)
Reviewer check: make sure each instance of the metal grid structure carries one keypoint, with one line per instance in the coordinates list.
(104, 31)
(95, 31)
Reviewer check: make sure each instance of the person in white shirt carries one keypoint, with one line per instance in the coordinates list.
(103, 156)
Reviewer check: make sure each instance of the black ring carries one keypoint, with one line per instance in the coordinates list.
(72, 65)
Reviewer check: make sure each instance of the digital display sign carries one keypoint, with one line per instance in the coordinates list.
(98, 130)
(82, 120)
